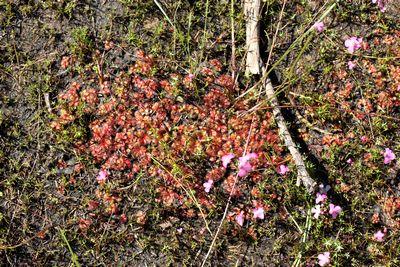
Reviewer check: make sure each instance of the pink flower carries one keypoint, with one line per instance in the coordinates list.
(351, 65)
(240, 218)
(179, 230)
(242, 172)
(320, 198)
(324, 258)
(388, 156)
(349, 161)
(244, 164)
(364, 139)
(243, 160)
(316, 211)
(227, 159)
(207, 185)
(334, 210)
(381, 4)
(102, 177)
(283, 169)
(319, 26)
(378, 236)
(353, 44)
(258, 213)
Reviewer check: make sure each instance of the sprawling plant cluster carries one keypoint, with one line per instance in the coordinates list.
(176, 130)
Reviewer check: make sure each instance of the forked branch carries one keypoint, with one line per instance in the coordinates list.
(252, 9)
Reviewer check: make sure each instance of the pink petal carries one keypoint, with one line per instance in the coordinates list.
(240, 218)
(258, 213)
(242, 173)
(334, 210)
(243, 160)
(244, 165)
(378, 236)
(388, 156)
(227, 159)
(252, 155)
(324, 258)
(207, 185)
(351, 65)
(316, 211)
(319, 26)
(353, 44)
(381, 4)
(350, 42)
(283, 169)
(320, 198)
(102, 177)
(244, 169)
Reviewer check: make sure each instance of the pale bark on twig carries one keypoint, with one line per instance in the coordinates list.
(251, 12)
(302, 173)
(252, 9)
(47, 101)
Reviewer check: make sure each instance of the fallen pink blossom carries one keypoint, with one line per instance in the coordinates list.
(378, 236)
(102, 177)
(227, 159)
(381, 4)
(334, 210)
(240, 218)
(258, 213)
(319, 26)
(388, 156)
(351, 65)
(324, 258)
(353, 44)
(244, 164)
(207, 185)
(320, 198)
(316, 211)
(283, 169)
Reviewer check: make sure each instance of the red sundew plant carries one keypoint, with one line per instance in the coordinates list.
(172, 131)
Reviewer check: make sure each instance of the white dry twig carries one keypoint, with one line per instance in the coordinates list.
(302, 173)
(47, 101)
(251, 12)
(253, 42)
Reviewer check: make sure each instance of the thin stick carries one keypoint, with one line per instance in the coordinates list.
(302, 173)
(233, 56)
(47, 101)
(252, 13)
(74, 257)
(292, 46)
(164, 13)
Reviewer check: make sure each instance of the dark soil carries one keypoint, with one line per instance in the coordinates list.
(44, 199)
